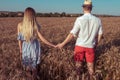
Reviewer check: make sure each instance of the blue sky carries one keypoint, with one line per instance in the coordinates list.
(111, 7)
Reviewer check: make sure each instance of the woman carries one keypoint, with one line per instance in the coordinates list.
(28, 32)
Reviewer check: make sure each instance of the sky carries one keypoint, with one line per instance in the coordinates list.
(111, 7)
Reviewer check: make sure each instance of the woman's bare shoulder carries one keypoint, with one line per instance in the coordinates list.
(19, 26)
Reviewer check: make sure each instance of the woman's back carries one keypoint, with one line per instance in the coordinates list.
(30, 49)
(28, 31)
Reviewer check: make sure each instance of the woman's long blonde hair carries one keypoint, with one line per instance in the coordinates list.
(29, 24)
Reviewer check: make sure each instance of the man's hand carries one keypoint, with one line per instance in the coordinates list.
(60, 45)
(68, 39)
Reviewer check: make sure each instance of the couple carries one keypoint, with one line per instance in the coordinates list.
(88, 29)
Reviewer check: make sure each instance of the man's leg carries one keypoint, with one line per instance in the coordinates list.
(78, 57)
(90, 57)
(78, 67)
(90, 68)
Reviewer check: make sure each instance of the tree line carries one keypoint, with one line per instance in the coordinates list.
(21, 14)
(56, 14)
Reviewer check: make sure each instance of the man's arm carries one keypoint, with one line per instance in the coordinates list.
(99, 38)
(72, 34)
(100, 33)
(68, 39)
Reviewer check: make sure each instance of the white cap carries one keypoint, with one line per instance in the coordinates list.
(87, 2)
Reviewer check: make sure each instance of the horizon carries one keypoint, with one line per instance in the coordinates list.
(101, 7)
(65, 13)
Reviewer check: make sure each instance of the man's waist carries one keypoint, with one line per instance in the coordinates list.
(88, 45)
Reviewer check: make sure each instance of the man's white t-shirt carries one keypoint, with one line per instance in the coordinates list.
(87, 27)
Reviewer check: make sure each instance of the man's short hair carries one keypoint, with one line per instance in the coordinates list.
(87, 6)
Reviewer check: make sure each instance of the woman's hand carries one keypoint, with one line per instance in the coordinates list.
(53, 45)
(60, 45)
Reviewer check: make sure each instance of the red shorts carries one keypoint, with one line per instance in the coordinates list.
(83, 52)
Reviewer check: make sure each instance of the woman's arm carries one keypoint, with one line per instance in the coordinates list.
(44, 40)
(19, 41)
(20, 45)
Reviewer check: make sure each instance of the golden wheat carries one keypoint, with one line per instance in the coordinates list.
(58, 64)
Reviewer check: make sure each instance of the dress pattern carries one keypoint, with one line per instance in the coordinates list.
(30, 51)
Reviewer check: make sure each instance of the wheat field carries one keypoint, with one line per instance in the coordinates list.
(58, 64)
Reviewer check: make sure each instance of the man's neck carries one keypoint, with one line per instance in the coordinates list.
(86, 12)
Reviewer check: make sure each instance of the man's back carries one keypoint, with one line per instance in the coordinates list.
(89, 27)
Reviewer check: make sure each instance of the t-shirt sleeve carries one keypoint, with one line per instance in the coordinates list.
(100, 28)
(20, 37)
(76, 27)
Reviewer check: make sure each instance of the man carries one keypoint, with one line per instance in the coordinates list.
(88, 29)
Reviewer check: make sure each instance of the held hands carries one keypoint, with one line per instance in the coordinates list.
(54, 46)
(60, 45)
